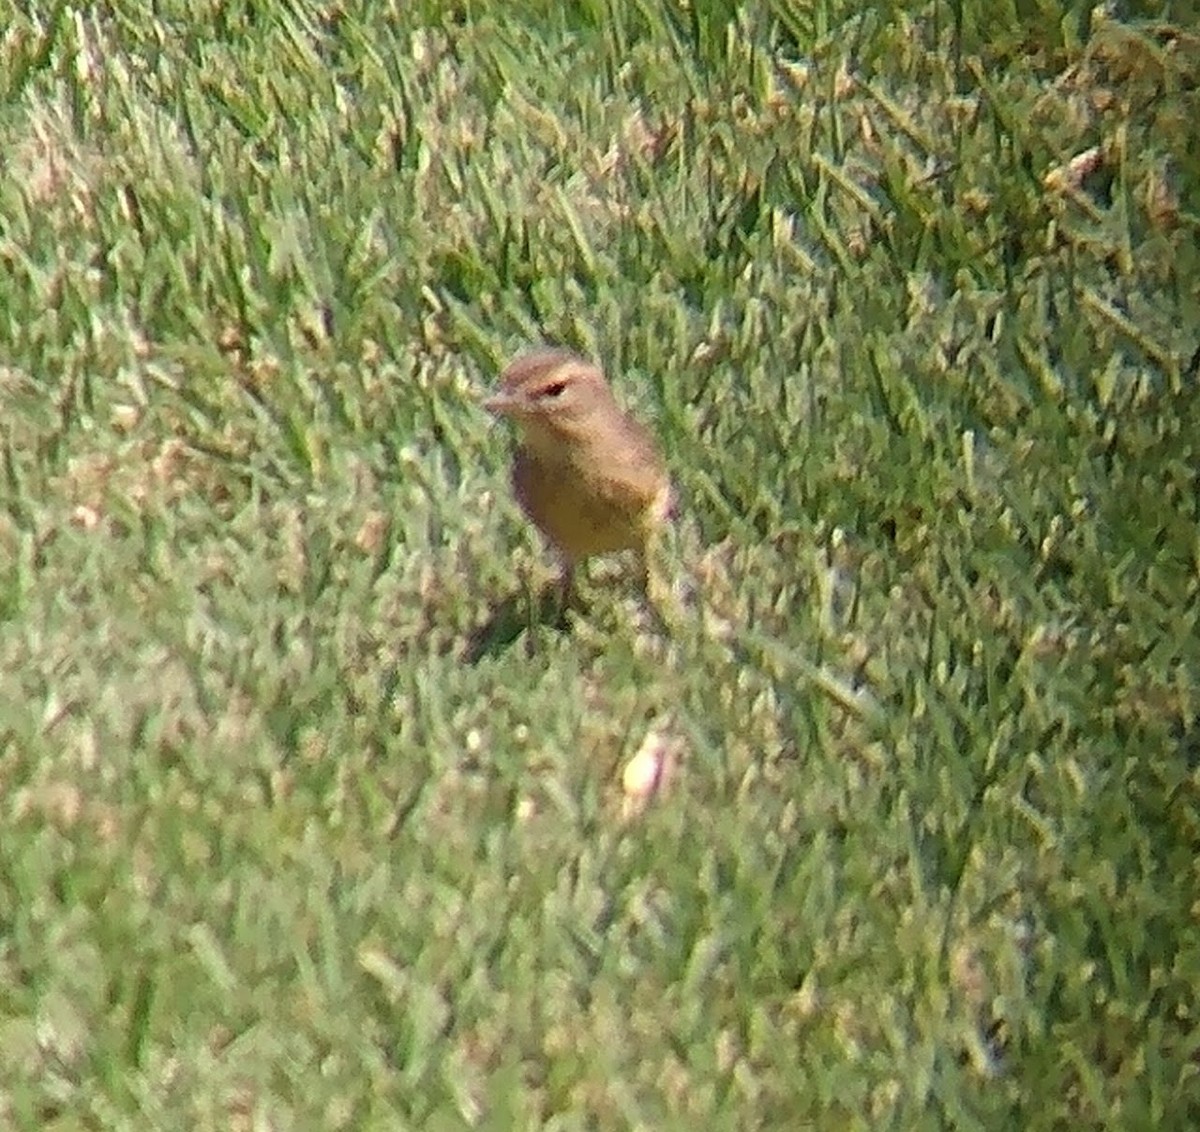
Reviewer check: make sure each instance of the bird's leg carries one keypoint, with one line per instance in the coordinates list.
(562, 592)
(645, 579)
(642, 567)
(566, 583)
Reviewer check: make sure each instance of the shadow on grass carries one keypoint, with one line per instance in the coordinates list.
(515, 614)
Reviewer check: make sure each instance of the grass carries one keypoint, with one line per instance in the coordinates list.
(909, 293)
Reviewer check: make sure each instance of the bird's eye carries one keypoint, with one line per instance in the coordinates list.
(554, 389)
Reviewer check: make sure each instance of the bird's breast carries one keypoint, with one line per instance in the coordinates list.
(589, 505)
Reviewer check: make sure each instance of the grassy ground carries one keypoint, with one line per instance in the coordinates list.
(911, 294)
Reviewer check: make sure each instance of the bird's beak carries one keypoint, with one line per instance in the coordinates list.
(502, 404)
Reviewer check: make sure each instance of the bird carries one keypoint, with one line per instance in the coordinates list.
(588, 475)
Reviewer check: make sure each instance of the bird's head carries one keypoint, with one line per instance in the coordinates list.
(554, 397)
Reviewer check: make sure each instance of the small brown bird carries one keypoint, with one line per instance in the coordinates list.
(586, 473)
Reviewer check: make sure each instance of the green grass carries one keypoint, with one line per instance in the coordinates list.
(280, 848)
